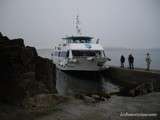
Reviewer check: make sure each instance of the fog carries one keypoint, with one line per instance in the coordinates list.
(117, 23)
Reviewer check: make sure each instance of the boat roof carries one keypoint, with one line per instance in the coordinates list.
(78, 38)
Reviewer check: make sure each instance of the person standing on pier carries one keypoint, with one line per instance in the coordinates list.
(131, 61)
(148, 61)
(122, 60)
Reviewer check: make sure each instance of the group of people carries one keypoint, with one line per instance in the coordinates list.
(131, 61)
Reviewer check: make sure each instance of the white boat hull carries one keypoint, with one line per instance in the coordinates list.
(81, 65)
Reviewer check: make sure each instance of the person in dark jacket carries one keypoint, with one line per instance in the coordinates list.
(122, 60)
(131, 61)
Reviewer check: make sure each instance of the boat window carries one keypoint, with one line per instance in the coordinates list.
(82, 41)
(79, 41)
(59, 54)
(86, 53)
(88, 41)
(62, 54)
(67, 55)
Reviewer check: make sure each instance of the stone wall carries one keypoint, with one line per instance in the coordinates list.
(134, 82)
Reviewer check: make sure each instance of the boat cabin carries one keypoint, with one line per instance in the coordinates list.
(78, 39)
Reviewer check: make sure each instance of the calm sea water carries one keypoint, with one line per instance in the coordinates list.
(114, 54)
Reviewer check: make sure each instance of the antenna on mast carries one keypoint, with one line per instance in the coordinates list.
(78, 25)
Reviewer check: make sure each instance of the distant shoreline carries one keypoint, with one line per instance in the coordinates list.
(112, 48)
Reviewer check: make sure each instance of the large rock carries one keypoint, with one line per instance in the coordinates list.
(1, 35)
(45, 73)
(3, 38)
(5, 42)
(22, 72)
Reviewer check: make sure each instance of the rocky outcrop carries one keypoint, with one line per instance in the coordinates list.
(22, 72)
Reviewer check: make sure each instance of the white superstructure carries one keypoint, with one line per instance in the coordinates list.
(79, 53)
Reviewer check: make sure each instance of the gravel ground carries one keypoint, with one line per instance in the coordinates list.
(108, 110)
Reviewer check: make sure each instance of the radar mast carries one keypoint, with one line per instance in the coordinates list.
(78, 25)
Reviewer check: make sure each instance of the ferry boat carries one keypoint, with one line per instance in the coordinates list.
(79, 53)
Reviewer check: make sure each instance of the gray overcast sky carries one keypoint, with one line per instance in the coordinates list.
(118, 23)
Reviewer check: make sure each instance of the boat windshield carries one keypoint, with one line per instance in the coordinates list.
(79, 41)
(82, 41)
(78, 53)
